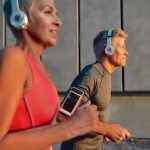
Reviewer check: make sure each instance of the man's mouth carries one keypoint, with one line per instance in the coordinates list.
(53, 31)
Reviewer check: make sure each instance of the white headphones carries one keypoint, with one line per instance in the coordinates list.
(18, 18)
(109, 50)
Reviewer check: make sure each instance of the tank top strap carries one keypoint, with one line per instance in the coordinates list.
(31, 62)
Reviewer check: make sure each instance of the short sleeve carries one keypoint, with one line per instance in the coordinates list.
(88, 81)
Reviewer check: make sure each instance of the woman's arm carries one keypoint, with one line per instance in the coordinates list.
(41, 137)
(13, 77)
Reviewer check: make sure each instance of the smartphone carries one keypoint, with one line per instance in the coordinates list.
(71, 101)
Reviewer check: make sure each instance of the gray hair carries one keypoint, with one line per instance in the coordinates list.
(100, 40)
(24, 5)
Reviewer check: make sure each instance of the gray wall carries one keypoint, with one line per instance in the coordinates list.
(2, 27)
(97, 15)
(74, 51)
(82, 20)
(62, 61)
(132, 113)
(137, 23)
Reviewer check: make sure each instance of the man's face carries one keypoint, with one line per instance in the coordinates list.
(120, 53)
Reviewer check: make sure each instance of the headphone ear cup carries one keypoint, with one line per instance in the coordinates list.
(109, 50)
(19, 19)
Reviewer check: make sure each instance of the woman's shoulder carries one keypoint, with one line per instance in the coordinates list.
(12, 54)
(12, 50)
(12, 61)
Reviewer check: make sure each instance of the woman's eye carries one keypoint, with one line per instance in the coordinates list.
(47, 12)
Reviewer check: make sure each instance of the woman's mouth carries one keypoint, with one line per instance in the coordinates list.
(54, 32)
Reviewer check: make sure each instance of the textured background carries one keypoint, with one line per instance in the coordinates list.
(82, 20)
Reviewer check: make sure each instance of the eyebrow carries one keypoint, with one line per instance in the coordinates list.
(48, 6)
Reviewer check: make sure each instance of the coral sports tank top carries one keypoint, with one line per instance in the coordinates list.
(39, 105)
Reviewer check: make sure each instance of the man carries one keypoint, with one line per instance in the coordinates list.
(95, 81)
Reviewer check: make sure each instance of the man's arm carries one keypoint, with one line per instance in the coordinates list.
(114, 132)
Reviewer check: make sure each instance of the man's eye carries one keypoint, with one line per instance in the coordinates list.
(48, 12)
(122, 46)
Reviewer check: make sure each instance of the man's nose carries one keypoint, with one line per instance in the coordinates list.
(126, 52)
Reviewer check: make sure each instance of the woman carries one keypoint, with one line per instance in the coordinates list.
(28, 97)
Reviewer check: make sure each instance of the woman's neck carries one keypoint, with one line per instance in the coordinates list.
(30, 46)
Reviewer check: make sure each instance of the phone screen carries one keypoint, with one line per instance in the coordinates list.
(70, 102)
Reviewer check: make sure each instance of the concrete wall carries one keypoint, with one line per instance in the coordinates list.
(137, 23)
(82, 20)
(2, 27)
(98, 15)
(133, 113)
(62, 61)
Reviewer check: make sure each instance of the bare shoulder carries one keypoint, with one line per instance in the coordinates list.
(12, 53)
(12, 58)
(13, 62)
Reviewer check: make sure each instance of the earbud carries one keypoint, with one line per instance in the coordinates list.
(18, 18)
(109, 50)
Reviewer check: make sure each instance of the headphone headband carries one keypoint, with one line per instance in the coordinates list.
(14, 5)
(109, 32)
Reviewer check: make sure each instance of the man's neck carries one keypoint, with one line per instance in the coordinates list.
(109, 67)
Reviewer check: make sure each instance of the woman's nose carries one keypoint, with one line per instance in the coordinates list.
(58, 22)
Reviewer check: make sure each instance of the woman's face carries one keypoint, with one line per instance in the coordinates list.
(44, 22)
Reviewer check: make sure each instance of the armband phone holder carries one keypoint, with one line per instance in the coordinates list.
(71, 101)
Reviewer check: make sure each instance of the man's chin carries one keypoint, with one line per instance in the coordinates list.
(123, 65)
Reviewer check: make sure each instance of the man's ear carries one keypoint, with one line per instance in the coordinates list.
(103, 51)
(104, 46)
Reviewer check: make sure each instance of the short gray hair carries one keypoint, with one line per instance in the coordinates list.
(100, 41)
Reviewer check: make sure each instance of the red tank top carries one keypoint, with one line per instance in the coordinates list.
(39, 105)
